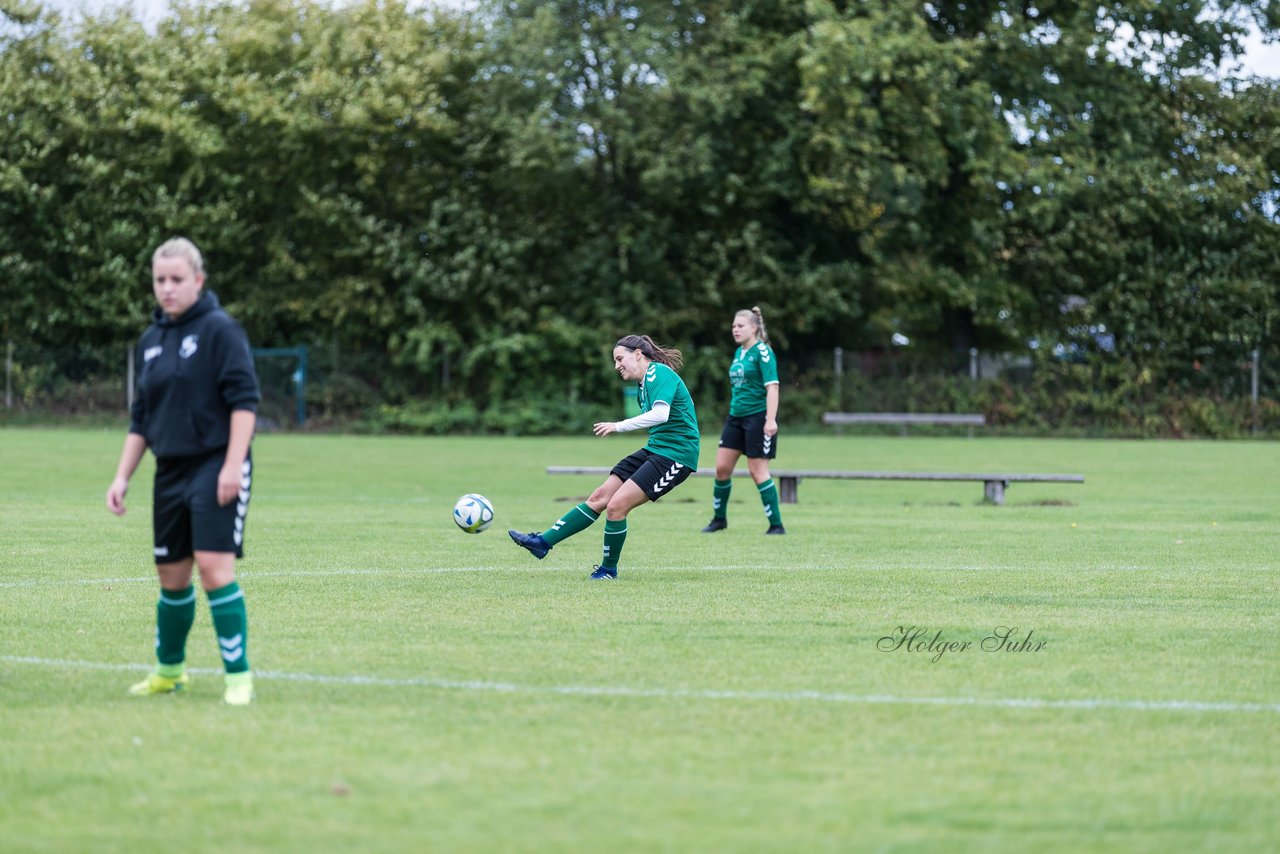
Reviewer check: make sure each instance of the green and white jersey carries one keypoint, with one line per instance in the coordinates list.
(677, 437)
(753, 368)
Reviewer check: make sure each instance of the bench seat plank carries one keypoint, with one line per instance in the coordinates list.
(903, 418)
(994, 483)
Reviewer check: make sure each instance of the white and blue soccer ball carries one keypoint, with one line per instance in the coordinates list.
(473, 513)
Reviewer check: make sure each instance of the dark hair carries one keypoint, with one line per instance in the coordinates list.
(761, 332)
(668, 356)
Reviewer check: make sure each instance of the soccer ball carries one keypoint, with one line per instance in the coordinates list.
(473, 513)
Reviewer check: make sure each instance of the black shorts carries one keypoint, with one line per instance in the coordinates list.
(185, 511)
(746, 433)
(653, 473)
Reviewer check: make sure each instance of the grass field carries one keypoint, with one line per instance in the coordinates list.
(420, 689)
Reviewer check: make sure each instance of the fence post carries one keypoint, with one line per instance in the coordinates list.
(1253, 391)
(8, 376)
(300, 387)
(128, 381)
(837, 368)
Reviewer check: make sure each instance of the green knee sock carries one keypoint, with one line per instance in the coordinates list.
(615, 534)
(232, 625)
(720, 498)
(769, 498)
(175, 612)
(575, 521)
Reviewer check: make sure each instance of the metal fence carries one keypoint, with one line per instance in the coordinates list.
(319, 386)
(99, 381)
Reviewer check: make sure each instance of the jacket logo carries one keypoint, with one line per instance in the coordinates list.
(189, 346)
(151, 352)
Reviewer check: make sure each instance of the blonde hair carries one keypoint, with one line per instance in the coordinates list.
(758, 319)
(669, 356)
(180, 247)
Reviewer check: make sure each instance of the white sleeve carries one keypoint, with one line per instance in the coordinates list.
(658, 415)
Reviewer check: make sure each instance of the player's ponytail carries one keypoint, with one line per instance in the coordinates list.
(668, 356)
(757, 319)
(760, 329)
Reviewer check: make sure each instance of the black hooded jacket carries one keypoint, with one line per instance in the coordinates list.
(193, 372)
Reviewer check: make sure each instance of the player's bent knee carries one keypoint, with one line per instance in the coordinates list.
(619, 507)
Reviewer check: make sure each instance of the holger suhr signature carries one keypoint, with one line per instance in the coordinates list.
(920, 639)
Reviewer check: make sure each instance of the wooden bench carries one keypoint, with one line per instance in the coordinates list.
(993, 483)
(906, 419)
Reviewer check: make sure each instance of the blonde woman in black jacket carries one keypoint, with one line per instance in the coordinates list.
(195, 407)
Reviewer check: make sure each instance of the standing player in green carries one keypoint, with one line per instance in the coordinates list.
(752, 425)
(666, 460)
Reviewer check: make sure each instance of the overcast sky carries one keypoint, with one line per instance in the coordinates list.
(1260, 59)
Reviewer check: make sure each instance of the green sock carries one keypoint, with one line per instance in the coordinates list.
(769, 498)
(720, 498)
(615, 534)
(232, 625)
(575, 521)
(175, 612)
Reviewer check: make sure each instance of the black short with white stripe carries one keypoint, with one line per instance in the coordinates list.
(186, 516)
(745, 433)
(655, 474)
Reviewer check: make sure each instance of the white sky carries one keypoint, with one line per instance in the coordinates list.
(1260, 59)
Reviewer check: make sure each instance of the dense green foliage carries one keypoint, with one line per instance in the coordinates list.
(486, 199)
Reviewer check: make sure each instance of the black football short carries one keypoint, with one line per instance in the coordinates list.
(653, 473)
(185, 508)
(745, 433)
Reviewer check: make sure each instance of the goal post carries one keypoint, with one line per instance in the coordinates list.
(282, 389)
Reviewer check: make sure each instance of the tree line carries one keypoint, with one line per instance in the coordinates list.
(487, 198)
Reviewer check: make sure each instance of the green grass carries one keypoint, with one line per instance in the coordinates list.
(726, 693)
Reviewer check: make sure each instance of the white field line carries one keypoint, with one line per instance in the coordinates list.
(536, 570)
(689, 694)
(320, 573)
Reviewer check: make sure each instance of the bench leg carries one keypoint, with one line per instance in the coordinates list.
(787, 489)
(993, 491)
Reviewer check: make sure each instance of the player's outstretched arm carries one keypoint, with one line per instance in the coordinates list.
(658, 415)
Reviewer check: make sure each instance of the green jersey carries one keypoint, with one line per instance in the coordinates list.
(677, 437)
(753, 368)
